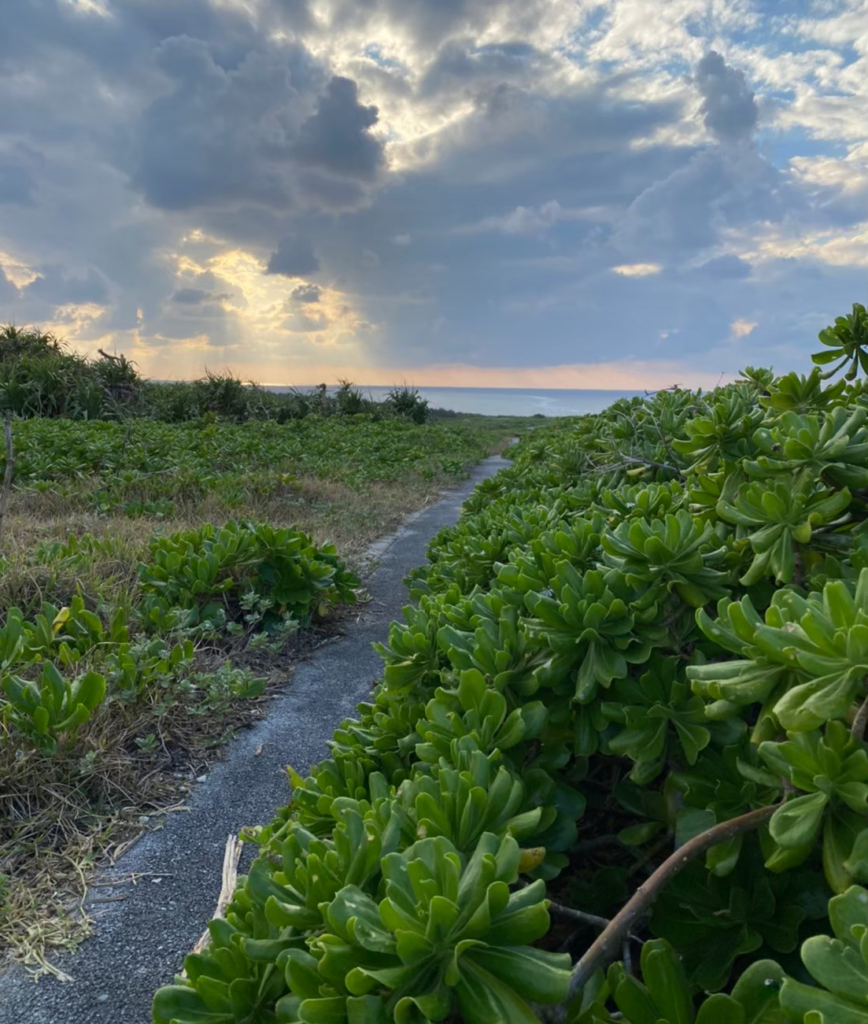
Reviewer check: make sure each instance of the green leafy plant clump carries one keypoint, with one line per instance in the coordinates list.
(248, 576)
(244, 584)
(102, 701)
(616, 768)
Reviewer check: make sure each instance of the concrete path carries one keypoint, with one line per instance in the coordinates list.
(140, 942)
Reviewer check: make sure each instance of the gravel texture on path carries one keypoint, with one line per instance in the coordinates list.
(139, 942)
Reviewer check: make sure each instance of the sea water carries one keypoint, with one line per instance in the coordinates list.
(507, 401)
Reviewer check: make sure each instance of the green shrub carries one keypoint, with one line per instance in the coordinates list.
(40, 377)
(250, 575)
(565, 708)
(407, 402)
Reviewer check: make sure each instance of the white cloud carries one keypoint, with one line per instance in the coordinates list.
(741, 328)
(637, 269)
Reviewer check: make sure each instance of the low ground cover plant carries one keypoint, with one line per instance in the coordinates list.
(615, 769)
(161, 548)
(245, 577)
(123, 465)
(96, 697)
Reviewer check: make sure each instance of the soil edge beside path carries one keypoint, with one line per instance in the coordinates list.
(139, 942)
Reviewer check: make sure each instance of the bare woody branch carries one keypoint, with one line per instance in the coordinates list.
(857, 730)
(610, 941)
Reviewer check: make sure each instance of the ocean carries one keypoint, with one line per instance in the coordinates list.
(507, 401)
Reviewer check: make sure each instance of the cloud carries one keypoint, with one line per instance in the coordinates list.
(729, 108)
(461, 65)
(730, 268)
(191, 296)
(525, 220)
(294, 257)
(720, 188)
(194, 316)
(56, 286)
(337, 137)
(218, 136)
(306, 293)
(305, 323)
(17, 179)
(8, 289)
(741, 328)
(508, 165)
(637, 269)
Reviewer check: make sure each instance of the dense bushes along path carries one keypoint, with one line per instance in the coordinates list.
(140, 939)
(564, 705)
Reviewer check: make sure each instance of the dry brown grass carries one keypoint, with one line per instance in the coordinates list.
(329, 510)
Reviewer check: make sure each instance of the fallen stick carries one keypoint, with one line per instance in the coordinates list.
(231, 857)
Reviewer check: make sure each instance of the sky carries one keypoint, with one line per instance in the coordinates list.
(508, 193)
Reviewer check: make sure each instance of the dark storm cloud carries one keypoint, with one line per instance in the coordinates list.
(326, 192)
(729, 108)
(273, 130)
(196, 101)
(294, 257)
(221, 136)
(306, 293)
(337, 137)
(130, 29)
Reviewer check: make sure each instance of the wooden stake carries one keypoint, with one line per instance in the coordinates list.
(10, 469)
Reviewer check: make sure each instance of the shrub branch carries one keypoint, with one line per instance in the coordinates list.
(609, 942)
(857, 730)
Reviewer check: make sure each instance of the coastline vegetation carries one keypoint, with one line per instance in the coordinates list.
(167, 551)
(615, 769)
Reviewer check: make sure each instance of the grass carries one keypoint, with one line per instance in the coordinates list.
(349, 517)
(347, 482)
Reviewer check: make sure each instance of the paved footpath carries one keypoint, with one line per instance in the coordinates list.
(140, 942)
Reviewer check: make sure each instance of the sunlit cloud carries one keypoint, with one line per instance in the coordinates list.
(16, 271)
(835, 248)
(742, 328)
(637, 269)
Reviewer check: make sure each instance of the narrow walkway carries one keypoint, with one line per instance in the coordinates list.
(140, 942)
